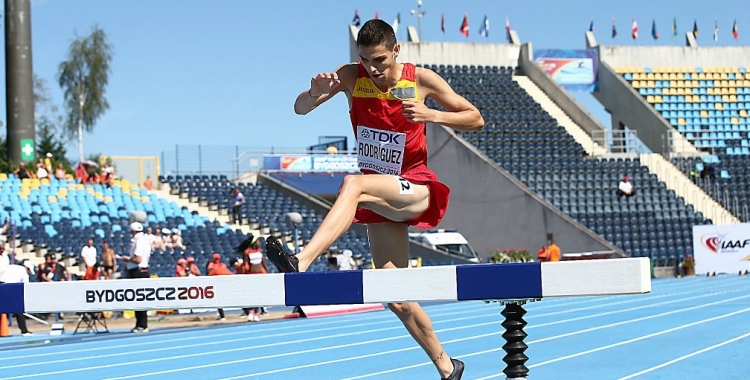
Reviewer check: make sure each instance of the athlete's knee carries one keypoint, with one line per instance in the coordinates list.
(401, 309)
(351, 184)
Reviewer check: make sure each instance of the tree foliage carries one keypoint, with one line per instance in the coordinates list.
(83, 78)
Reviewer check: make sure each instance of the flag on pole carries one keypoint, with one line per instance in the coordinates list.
(377, 15)
(396, 22)
(507, 30)
(634, 30)
(716, 30)
(614, 30)
(654, 33)
(735, 31)
(674, 27)
(695, 28)
(464, 29)
(485, 31)
(355, 21)
(591, 26)
(442, 22)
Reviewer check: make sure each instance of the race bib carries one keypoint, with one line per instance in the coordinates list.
(380, 151)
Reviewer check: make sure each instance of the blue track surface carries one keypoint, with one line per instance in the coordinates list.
(690, 328)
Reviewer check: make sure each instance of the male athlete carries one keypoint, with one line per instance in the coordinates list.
(388, 114)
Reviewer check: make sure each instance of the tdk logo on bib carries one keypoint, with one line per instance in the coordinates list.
(379, 150)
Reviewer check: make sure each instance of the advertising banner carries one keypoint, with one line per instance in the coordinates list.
(310, 163)
(721, 249)
(576, 70)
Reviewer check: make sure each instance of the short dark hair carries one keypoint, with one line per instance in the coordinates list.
(376, 32)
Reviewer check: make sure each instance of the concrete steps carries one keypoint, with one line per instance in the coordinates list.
(581, 137)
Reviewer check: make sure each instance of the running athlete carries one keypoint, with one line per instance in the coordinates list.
(388, 115)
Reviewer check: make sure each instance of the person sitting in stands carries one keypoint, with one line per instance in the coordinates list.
(625, 189)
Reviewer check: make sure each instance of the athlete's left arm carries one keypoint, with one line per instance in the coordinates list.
(460, 113)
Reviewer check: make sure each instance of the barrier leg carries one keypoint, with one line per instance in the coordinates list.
(515, 358)
(4, 330)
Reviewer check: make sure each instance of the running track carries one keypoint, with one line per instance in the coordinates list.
(690, 328)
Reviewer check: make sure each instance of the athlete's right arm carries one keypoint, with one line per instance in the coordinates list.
(324, 86)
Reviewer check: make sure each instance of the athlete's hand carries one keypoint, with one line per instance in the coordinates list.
(323, 83)
(416, 112)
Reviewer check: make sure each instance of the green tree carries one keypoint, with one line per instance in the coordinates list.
(83, 78)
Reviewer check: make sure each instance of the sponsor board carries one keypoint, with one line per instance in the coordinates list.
(312, 163)
(575, 70)
(721, 249)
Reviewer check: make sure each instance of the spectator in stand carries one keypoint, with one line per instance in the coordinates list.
(192, 268)
(218, 268)
(148, 183)
(41, 170)
(60, 171)
(332, 150)
(109, 261)
(177, 239)
(625, 189)
(82, 175)
(21, 172)
(252, 263)
(156, 240)
(345, 260)
(88, 253)
(181, 269)
(107, 177)
(166, 238)
(237, 201)
(48, 162)
(708, 172)
(543, 254)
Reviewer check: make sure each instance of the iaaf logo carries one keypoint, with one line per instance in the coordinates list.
(717, 243)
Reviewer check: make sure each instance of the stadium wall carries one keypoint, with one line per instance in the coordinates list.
(493, 209)
(556, 93)
(674, 56)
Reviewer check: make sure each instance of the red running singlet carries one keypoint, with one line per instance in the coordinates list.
(387, 143)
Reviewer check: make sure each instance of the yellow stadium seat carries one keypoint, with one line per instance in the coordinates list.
(719, 107)
(145, 199)
(689, 98)
(689, 69)
(3, 176)
(98, 195)
(743, 113)
(90, 190)
(125, 182)
(658, 99)
(52, 199)
(650, 76)
(636, 76)
(650, 84)
(658, 76)
(704, 114)
(619, 70)
(681, 121)
(710, 91)
(680, 91)
(666, 91)
(80, 186)
(672, 76)
(732, 91)
(650, 98)
(735, 121)
(108, 199)
(724, 91)
(732, 99)
(689, 91)
(723, 76)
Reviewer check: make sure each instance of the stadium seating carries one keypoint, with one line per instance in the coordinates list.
(61, 215)
(526, 141)
(264, 209)
(709, 106)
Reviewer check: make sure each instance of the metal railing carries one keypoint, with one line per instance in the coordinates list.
(625, 141)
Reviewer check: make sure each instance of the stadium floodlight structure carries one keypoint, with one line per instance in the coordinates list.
(419, 13)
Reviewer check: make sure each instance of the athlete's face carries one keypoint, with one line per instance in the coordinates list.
(378, 60)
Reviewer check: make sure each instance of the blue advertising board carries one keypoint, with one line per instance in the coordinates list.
(575, 70)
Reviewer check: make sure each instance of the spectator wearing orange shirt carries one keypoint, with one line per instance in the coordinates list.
(148, 184)
(553, 252)
(218, 268)
(181, 269)
(192, 268)
(93, 272)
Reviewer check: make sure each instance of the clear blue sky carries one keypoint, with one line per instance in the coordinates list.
(226, 72)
